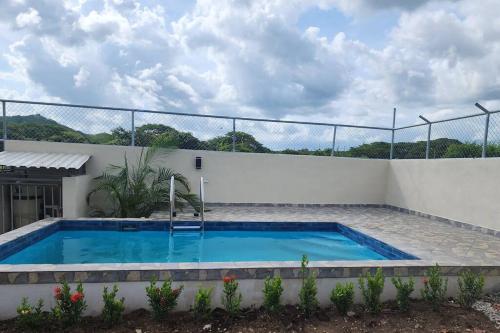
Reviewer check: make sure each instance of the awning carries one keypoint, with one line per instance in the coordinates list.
(42, 160)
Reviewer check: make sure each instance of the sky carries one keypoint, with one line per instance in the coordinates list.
(335, 61)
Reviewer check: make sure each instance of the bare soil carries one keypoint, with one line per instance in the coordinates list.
(421, 318)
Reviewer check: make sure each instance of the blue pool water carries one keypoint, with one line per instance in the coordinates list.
(91, 246)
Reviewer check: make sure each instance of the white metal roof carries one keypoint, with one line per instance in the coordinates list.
(42, 160)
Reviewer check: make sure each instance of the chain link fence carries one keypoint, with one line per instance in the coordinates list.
(410, 142)
(462, 137)
(493, 146)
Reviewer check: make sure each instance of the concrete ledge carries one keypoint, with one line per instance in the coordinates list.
(109, 273)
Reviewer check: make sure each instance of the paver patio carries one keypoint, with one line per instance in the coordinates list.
(428, 239)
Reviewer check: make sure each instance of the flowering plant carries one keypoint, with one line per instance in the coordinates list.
(308, 300)
(231, 299)
(30, 317)
(342, 296)
(404, 290)
(435, 287)
(372, 287)
(203, 303)
(113, 307)
(470, 288)
(69, 306)
(163, 299)
(272, 294)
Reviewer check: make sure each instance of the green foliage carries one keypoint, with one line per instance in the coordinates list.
(113, 307)
(435, 287)
(231, 298)
(38, 128)
(463, 150)
(203, 303)
(138, 191)
(470, 287)
(308, 301)
(100, 138)
(30, 317)
(371, 289)
(69, 306)
(404, 290)
(371, 150)
(244, 143)
(149, 134)
(162, 299)
(272, 294)
(342, 297)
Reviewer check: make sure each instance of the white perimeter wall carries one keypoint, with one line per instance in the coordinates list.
(466, 190)
(249, 178)
(251, 290)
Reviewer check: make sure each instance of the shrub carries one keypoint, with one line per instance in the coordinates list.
(162, 300)
(308, 301)
(342, 297)
(30, 317)
(470, 287)
(434, 287)
(113, 308)
(404, 290)
(231, 298)
(272, 294)
(202, 303)
(69, 306)
(371, 289)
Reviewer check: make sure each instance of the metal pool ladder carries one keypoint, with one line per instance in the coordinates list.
(201, 226)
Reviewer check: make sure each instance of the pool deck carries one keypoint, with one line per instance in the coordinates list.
(425, 238)
(454, 248)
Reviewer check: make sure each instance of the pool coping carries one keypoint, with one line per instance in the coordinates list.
(208, 271)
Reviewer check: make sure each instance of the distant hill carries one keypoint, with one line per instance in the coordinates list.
(39, 128)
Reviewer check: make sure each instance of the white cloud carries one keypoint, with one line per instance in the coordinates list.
(81, 78)
(249, 57)
(28, 18)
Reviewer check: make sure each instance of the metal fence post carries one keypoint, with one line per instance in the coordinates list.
(234, 134)
(486, 128)
(428, 147)
(133, 129)
(391, 155)
(333, 139)
(4, 115)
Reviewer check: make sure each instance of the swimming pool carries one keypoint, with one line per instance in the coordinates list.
(99, 241)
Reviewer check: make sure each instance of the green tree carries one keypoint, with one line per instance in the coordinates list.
(463, 150)
(244, 143)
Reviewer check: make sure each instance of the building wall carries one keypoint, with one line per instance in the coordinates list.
(250, 178)
(75, 191)
(465, 190)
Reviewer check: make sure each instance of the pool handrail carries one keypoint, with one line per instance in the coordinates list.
(172, 201)
(202, 203)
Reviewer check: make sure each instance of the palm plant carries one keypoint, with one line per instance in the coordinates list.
(138, 191)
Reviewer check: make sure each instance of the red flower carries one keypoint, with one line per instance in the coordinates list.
(57, 293)
(76, 297)
(229, 279)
